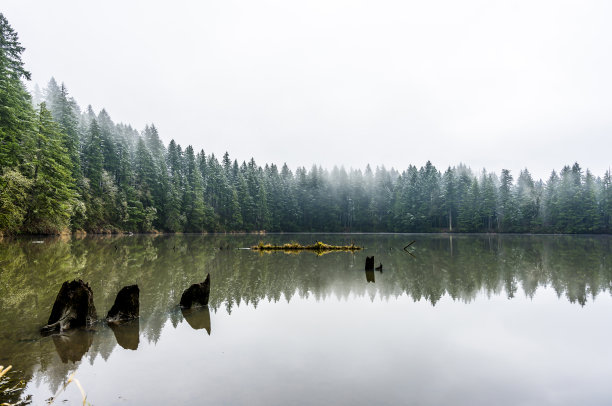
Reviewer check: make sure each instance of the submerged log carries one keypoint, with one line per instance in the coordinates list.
(126, 306)
(196, 295)
(369, 265)
(73, 307)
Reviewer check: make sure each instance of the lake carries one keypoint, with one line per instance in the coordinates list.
(464, 320)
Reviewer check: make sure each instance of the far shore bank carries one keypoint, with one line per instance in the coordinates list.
(81, 234)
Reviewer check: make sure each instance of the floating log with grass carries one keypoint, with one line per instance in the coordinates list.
(318, 247)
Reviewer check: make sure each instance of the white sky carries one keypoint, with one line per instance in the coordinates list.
(495, 84)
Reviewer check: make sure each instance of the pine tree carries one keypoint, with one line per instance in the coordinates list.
(174, 217)
(247, 207)
(570, 200)
(52, 99)
(52, 195)
(527, 203)
(431, 196)
(449, 198)
(273, 185)
(289, 214)
(257, 191)
(143, 211)
(37, 96)
(65, 112)
(381, 199)
(406, 201)
(590, 209)
(506, 204)
(107, 143)
(227, 166)
(216, 185)
(194, 205)
(17, 116)
(470, 215)
(464, 183)
(160, 189)
(550, 204)
(93, 158)
(489, 200)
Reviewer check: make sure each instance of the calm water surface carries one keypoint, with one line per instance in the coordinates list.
(469, 320)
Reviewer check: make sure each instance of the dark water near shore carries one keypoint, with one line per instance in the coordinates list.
(468, 320)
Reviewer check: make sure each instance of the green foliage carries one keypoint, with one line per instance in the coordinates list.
(63, 169)
(52, 194)
(93, 158)
(16, 113)
(319, 247)
(14, 190)
(470, 214)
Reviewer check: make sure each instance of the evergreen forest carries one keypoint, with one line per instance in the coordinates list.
(65, 168)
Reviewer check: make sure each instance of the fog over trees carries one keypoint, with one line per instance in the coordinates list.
(67, 168)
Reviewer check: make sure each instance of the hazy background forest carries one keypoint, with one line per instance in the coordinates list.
(65, 168)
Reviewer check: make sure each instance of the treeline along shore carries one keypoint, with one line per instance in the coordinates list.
(66, 169)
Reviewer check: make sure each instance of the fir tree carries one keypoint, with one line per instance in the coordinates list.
(17, 116)
(506, 203)
(52, 194)
(194, 206)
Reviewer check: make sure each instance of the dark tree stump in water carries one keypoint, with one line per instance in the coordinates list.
(73, 307)
(196, 295)
(126, 306)
(369, 265)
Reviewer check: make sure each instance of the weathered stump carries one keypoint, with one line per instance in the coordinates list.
(369, 265)
(370, 276)
(73, 307)
(196, 295)
(126, 306)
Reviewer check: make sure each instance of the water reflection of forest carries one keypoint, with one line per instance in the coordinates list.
(577, 268)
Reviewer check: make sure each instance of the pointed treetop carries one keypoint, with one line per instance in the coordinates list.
(10, 51)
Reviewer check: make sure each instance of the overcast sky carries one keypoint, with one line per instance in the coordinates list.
(495, 84)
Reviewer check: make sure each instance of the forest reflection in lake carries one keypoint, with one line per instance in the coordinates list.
(275, 320)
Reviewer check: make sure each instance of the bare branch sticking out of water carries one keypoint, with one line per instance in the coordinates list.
(409, 244)
(63, 388)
